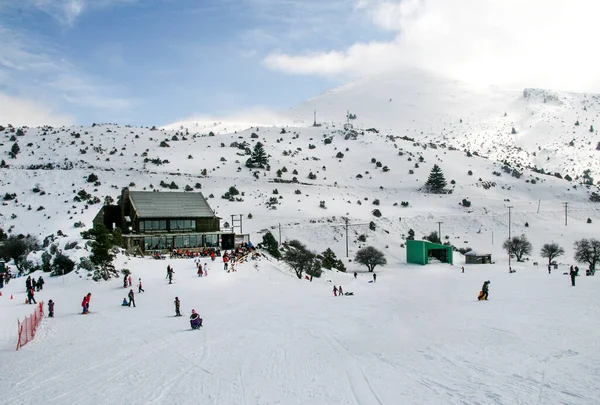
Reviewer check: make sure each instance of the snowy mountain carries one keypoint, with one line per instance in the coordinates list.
(553, 131)
(416, 336)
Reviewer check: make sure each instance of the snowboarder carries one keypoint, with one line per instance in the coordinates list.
(355, 274)
(84, 305)
(573, 274)
(340, 291)
(131, 298)
(177, 306)
(335, 291)
(30, 296)
(87, 299)
(374, 277)
(195, 320)
(40, 283)
(50, 309)
(483, 294)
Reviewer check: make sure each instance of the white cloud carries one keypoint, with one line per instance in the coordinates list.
(64, 11)
(33, 70)
(510, 42)
(20, 112)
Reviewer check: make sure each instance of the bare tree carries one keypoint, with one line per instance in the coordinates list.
(370, 257)
(518, 246)
(551, 251)
(588, 251)
(302, 260)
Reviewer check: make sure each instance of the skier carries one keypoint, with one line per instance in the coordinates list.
(355, 274)
(199, 271)
(168, 270)
(131, 298)
(335, 291)
(28, 283)
(340, 291)
(170, 275)
(125, 281)
(483, 295)
(463, 268)
(205, 269)
(573, 274)
(177, 306)
(130, 280)
(140, 288)
(195, 320)
(30, 296)
(50, 309)
(374, 277)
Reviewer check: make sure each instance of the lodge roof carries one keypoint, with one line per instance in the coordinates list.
(169, 204)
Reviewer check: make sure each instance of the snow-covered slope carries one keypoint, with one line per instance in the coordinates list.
(553, 131)
(416, 336)
(58, 162)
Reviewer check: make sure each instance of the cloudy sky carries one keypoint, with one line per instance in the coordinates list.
(152, 62)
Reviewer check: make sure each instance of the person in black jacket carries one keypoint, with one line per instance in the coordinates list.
(131, 298)
(573, 274)
(51, 309)
(483, 296)
(177, 307)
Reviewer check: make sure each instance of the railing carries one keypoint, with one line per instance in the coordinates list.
(28, 327)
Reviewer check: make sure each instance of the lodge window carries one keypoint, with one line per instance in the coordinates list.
(211, 240)
(153, 226)
(182, 225)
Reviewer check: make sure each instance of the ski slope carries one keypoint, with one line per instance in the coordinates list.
(416, 336)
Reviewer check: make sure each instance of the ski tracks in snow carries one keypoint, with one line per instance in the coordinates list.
(357, 380)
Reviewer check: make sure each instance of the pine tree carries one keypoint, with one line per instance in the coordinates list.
(259, 157)
(14, 150)
(436, 181)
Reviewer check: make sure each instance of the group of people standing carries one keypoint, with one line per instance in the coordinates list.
(32, 286)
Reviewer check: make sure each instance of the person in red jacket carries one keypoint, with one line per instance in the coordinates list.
(86, 303)
(225, 262)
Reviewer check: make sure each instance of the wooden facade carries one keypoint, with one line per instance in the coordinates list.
(162, 221)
